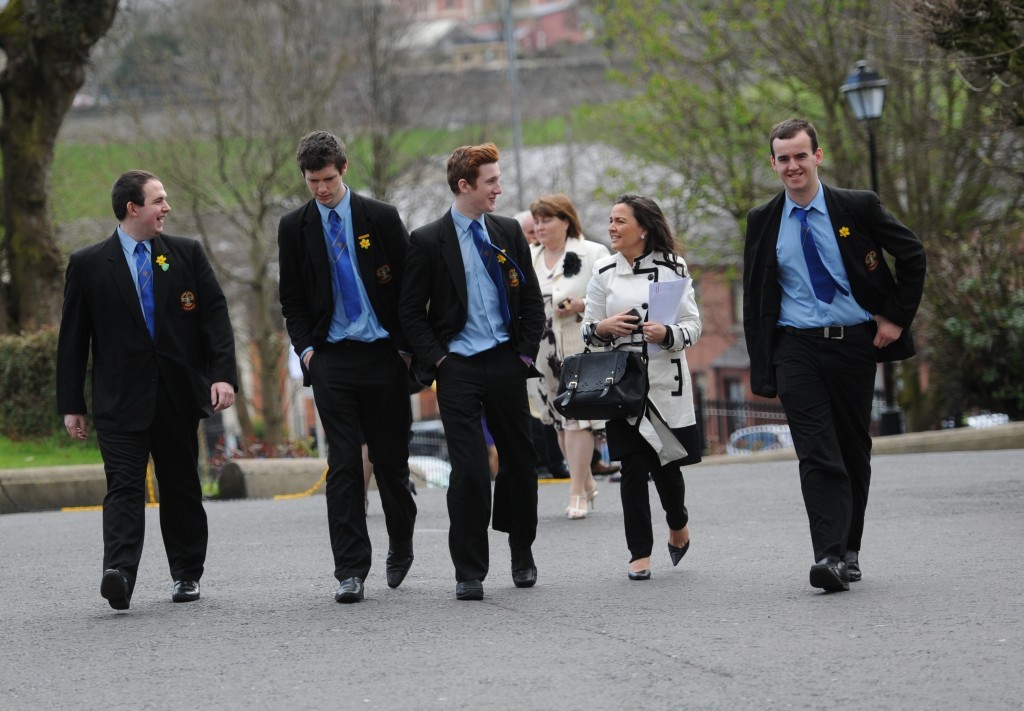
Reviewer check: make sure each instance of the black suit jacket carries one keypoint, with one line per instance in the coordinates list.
(434, 305)
(194, 343)
(307, 299)
(869, 230)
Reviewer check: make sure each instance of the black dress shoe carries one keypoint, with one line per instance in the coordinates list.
(469, 590)
(185, 591)
(852, 560)
(398, 563)
(830, 574)
(640, 575)
(558, 471)
(115, 589)
(676, 554)
(349, 590)
(524, 570)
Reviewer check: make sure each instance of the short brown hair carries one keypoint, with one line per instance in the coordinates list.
(129, 188)
(465, 161)
(319, 149)
(558, 205)
(791, 127)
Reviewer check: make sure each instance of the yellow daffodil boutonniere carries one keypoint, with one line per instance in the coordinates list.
(162, 262)
(501, 258)
(364, 241)
(844, 231)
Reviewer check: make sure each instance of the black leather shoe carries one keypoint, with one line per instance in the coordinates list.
(398, 563)
(852, 560)
(115, 589)
(185, 591)
(676, 554)
(349, 590)
(524, 570)
(469, 590)
(830, 574)
(558, 471)
(640, 575)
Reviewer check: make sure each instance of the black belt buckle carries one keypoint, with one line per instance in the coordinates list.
(833, 333)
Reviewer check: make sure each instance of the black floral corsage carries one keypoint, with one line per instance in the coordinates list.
(571, 264)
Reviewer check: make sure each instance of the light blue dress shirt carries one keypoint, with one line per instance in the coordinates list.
(800, 308)
(128, 247)
(485, 328)
(367, 327)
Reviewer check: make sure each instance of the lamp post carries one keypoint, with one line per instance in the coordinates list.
(513, 92)
(865, 91)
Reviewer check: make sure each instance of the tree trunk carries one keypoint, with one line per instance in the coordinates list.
(271, 352)
(28, 132)
(242, 412)
(47, 48)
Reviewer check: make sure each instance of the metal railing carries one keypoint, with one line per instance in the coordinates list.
(717, 419)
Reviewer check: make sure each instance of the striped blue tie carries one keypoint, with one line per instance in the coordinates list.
(344, 274)
(822, 281)
(487, 256)
(144, 267)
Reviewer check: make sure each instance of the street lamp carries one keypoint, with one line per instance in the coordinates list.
(865, 91)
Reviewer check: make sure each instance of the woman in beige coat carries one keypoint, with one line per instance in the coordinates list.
(563, 261)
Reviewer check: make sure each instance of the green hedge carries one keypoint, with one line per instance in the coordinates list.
(28, 385)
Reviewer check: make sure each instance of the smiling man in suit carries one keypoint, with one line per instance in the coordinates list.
(163, 356)
(472, 311)
(820, 308)
(342, 257)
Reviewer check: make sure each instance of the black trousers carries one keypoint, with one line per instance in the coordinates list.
(826, 388)
(363, 386)
(492, 383)
(640, 463)
(174, 444)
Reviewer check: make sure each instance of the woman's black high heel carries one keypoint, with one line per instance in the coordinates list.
(641, 575)
(676, 554)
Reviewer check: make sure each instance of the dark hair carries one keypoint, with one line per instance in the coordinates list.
(650, 217)
(465, 161)
(319, 149)
(129, 188)
(790, 128)
(558, 205)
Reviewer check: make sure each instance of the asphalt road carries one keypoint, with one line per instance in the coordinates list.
(936, 622)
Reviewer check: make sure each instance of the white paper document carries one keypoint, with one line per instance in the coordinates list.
(665, 299)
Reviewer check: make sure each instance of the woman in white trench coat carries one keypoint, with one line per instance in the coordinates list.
(658, 444)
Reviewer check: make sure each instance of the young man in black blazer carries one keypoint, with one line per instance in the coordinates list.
(472, 311)
(820, 308)
(148, 308)
(342, 257)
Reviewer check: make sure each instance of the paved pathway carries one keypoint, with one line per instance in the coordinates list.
(936, 623)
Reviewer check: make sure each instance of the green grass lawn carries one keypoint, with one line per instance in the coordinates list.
(82, 173)
(57, 450)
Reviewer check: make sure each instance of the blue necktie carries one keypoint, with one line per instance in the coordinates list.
(344, 274)
(487, 256)
(144, 267)
(824, 284)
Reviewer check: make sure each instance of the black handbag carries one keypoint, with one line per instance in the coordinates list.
(603, 385)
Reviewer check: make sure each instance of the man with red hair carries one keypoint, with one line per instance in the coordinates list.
(472, 311)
